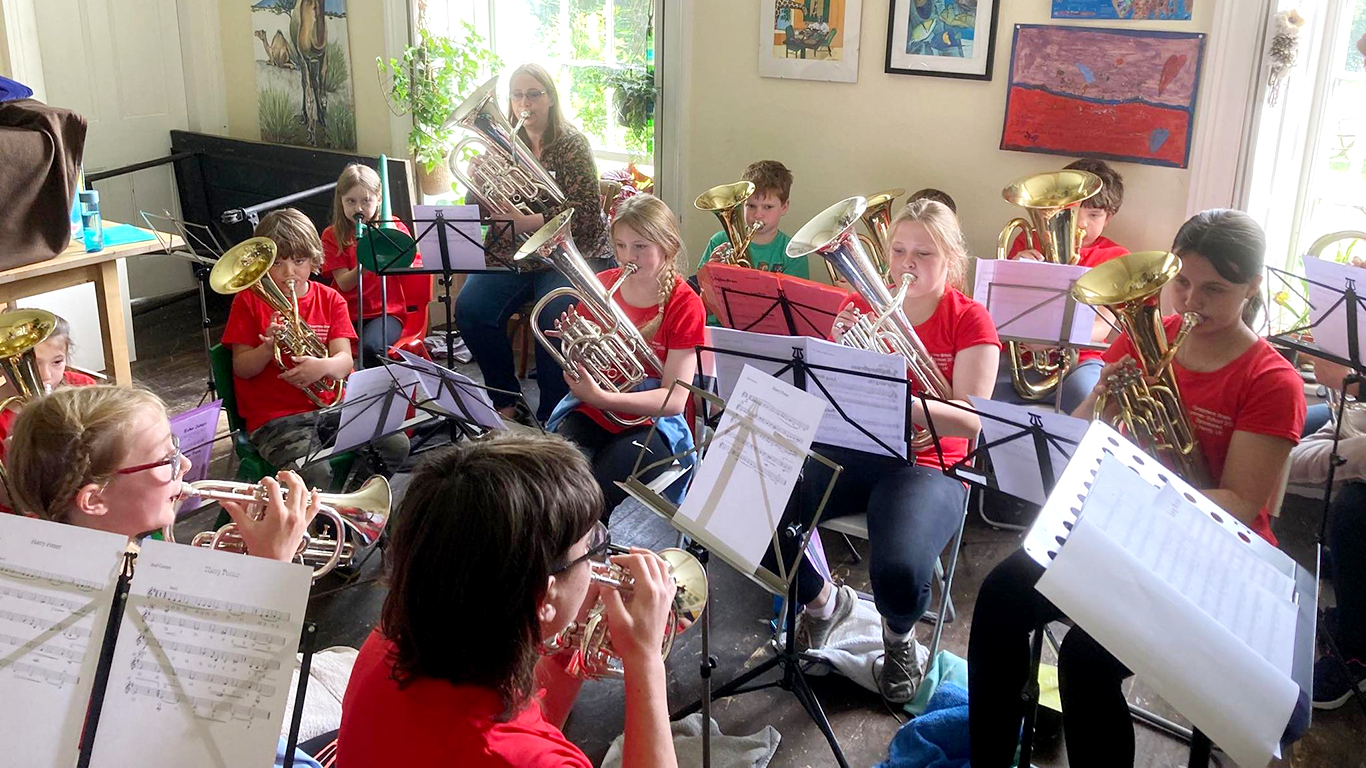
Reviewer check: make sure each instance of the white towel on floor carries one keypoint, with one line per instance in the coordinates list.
(726, 751)
(854, 649)
(328, 675)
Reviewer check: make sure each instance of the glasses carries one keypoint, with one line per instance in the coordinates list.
(174, 460)
(527, 95)
(599, 541)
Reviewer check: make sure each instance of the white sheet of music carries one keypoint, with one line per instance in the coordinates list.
(444, 386)
(1028, 300)
(1329, 313)
(363, 413)
(730, 366)
(202, 667)
(877, 405)
(56, 584)
(1016, 462)
(742, 486)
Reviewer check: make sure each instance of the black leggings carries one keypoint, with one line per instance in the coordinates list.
(1095, 713)
(912, 511)
(1347, 540)
(613, 455)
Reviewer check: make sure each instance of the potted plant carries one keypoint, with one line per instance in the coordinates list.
(428, 83)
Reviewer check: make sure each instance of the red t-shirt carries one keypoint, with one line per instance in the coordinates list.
(683, 327)
(9, 415)
(958, 323)
(1102, 250)
(436, 723)
(335, 257)
(264, 396)
(1259, 392)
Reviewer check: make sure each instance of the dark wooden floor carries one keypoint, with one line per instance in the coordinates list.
(173, 364)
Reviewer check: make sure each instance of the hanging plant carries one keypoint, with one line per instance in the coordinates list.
(635, 88)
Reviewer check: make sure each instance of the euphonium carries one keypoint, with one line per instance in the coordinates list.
(594, 656)
(1148, 402)
(1052, 201)
(507, 177)
(247, 266)
(605, 341)
(831, 234)
(727, 201)
(362, 514)
(877, 219)
(20, 332)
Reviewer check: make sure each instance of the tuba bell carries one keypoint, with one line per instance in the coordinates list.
(361, 514)
(831, 234)
(507, 177)
(20, 332)
(1052, 201)
(1148, 406)
(605, 341)
(246, 266)
(593, 654)
(727, 201)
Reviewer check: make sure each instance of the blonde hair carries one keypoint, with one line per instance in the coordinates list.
(68, 439)
(293, 234)
(554, 123)
(652, 219)
(944, 229)
(352, 176)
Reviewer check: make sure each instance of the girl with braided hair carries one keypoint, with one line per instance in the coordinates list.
(104, 457)
(670, 317)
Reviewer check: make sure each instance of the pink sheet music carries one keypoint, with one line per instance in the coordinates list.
(747, 299)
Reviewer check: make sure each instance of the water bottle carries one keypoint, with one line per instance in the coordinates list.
(77, 231)
(90, 221)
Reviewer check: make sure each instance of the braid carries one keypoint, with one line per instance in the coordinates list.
(668, 280)
(55, 506)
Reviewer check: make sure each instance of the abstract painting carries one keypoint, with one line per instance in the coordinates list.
(303, 73)
(809, 39)
(941, 38)
(1156, 10)
(1111, 93)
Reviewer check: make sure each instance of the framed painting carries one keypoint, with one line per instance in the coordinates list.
(941, 38)
(1127, 10)
(810, 39)
(1118, 94)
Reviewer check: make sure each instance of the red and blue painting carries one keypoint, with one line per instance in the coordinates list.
(1117, 94)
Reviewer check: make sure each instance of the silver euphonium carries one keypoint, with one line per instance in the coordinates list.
(507, 177)
(887, 329)
(596, 333)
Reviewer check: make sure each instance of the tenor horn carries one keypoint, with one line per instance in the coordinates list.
(1149, 409)
(384, 246)
(887, 330)
(596, 333)
(20, 332)
(361, 515)
(1052, 202)
(727, 201)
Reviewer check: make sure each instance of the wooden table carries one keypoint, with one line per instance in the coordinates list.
(75, 267)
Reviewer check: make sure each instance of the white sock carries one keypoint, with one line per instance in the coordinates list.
(825, 611)
(889, 637)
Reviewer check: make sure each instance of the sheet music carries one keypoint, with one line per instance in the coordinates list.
(1016, 462)
(1330, 327)
(742, 485)
(877, 405)
(464, 237)
(56, 584)
(730, 366)
(202, 668)
(364, 411)
(815, 305)
(455, 391)
(1013, 290)
(743, 298)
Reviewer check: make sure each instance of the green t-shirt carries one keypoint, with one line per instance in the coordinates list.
(769, 256)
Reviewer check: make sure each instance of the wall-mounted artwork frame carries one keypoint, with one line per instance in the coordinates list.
(942, 38)
(810, 39)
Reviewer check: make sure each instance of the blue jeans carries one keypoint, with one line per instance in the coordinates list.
(1076, 385)
(1315, 417)
(377, 333)
(486, 303)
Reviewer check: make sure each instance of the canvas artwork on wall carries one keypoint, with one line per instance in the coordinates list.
(303, 73)
(810, 39)
(1161, 10)
(1114, 93)
(941, 38)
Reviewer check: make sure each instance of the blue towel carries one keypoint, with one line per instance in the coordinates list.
(936, 739)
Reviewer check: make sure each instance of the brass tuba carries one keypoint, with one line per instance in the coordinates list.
(831, 234)
(247, 266)
(362, 513)
(593, 653)
(20, 332)
(1148, 402)
(727, 201)
(507, 177)
(1052, 201)
(605, 342)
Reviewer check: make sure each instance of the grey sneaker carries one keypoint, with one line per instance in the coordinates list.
(813, 632)
(903, 668)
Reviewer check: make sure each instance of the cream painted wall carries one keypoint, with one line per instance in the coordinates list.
(883, 131)
(366, 28)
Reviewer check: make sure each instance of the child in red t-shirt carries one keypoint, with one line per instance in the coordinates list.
(670, 316)
(1092, 218)
(272, 401)
(358, 194)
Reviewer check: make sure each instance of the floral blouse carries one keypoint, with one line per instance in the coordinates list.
(569, 159)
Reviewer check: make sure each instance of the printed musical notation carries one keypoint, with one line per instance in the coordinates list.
(204, 707)
(209, 606)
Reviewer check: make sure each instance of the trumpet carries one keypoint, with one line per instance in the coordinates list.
(594, 656)
(727, 201)
(246, 266)
(361, 514)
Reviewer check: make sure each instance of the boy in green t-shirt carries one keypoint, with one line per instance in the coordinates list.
(768, 248)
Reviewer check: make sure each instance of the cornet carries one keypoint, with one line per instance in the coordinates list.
(362, 513)
(594, 656)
